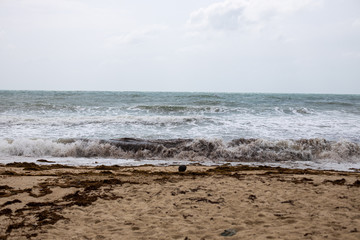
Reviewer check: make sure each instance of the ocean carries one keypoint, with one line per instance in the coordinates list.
(320, 131)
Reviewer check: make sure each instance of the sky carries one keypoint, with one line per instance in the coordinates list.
(277, 46)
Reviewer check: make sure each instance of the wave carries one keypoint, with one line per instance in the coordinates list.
(335, 103)
(259, 150)
(198, 107)
(294, 111)
(179, 109)
(84, 120)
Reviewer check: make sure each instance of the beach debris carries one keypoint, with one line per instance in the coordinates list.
(182, 168)
(201, 199)
(252, 197)
(228, 232)
(303, 180)
(291, 202)
(185, 216)
(178, 191)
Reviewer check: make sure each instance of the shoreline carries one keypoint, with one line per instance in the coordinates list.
(328, 165)
(157, 202)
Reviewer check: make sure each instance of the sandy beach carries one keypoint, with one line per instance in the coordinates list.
(152, 202)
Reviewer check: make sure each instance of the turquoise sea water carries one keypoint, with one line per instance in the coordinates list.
(283, 126)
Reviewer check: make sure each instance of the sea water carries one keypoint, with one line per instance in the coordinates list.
(133, 128)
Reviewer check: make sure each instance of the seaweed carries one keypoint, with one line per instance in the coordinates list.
(5, 187)
(33, 166)
(227, 169)
(168, 174)
(12, 192)
(15, 226)
(336, 182)
(291, 202)
(356, 184)
(103, 167)
(202, 199)
(80, 199)
(11, 202)
(6, 211)
(303, 180)
(44, 190)
(50, 212)
(178, 191)
(26, 165)
(48, 217)
(10, 173)
(40, 204)
(31, 235)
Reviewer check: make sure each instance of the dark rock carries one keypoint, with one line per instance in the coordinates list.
(182, 168)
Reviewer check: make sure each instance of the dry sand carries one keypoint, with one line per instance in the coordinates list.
(43, 202)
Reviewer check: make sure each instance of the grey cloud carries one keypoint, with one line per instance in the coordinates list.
(227, 21)
(235, 14)
(136, 36)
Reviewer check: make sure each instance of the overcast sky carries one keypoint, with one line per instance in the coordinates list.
(305, 46)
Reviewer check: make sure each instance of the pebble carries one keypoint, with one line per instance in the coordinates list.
(182, 168)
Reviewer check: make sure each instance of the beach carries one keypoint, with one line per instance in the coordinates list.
(156, 202)
(200, 120)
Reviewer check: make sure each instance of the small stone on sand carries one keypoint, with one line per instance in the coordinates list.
(182, 168)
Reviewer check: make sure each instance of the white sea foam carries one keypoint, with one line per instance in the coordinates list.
(275, 127)
(259, 150)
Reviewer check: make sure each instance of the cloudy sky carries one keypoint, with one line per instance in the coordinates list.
(306, 46)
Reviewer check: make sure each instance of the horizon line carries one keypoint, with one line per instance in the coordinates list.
(167, 91)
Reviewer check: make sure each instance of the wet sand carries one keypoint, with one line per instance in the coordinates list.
(149, 202)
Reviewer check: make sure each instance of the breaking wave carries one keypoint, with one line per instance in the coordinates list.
(259, 150)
